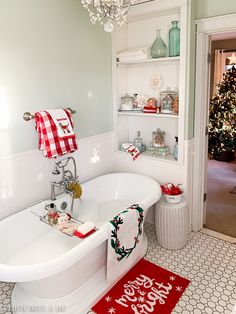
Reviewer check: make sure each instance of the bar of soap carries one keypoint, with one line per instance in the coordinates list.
(85, 228)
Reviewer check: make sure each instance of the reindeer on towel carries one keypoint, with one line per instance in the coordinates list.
(65, 128)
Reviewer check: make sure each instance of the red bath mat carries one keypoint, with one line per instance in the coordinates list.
(146, 288)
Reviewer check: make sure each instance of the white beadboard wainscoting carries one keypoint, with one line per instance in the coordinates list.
(25, 178)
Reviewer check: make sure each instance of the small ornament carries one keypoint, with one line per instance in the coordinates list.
(156, 82)
(151, 106)
(152, 102)
(142, 101)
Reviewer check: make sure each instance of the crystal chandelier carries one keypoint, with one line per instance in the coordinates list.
(106, 12)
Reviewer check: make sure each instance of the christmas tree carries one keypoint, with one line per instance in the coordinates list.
(222, 118)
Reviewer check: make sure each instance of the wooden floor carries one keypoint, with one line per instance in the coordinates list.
(221, 197)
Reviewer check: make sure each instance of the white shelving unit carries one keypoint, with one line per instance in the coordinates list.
(134, 76)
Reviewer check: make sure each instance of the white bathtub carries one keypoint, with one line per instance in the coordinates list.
(52, 269)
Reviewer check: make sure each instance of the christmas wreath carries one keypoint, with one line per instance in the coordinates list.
(115, 242)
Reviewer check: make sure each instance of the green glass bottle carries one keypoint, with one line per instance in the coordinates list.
(158, 49)
(174, 40)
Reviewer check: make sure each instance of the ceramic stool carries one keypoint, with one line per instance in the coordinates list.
(172, 224)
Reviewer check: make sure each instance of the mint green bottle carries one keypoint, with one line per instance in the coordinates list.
(174, 40)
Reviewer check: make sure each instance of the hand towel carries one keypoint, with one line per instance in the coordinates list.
(133, 58)
(63, 122)
(131, 150)
(49, 140)
(124, 241)
(133, 52)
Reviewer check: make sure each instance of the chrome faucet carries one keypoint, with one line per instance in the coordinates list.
(67, 176)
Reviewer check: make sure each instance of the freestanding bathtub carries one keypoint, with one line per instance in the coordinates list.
(55, 272)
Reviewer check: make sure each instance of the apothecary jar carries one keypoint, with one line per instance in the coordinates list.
(167, 99)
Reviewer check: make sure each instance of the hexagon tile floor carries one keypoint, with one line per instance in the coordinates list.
(208, 262)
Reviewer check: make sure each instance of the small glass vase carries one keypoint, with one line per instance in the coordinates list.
(158, 49)
(174, 40)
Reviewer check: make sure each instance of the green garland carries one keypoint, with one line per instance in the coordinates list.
(116, 222)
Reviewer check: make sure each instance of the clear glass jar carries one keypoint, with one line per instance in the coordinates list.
(158, 138)
(174, 40)
(167, 99)
(158, 48)
(126, 102)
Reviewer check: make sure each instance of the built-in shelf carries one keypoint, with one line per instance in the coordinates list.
(146, 61)
(152, 115)
(146, 154)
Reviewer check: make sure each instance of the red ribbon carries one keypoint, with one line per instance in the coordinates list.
(171, 189)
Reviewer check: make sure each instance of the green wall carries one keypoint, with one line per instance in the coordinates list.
(201, 9)
(51, 56)
(209, 8)
(189, 127)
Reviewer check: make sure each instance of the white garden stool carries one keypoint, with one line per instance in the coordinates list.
(172, 224)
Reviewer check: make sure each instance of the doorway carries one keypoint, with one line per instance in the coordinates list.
(221, 164)
(206, 29)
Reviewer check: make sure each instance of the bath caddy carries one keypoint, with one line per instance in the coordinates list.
(68, 229)
(72, 225)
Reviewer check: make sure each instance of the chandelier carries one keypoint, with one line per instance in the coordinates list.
(106, 12)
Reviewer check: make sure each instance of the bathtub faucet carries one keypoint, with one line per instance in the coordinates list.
(67, 177)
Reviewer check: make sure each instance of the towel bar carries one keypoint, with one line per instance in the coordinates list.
(28, 116)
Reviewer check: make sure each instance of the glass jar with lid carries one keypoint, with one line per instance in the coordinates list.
(127, 102)
(167, 99)
(158, 138)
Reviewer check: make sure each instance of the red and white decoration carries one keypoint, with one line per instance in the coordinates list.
(63, 123)
(51, 139)
(131, 150)
(146, 288)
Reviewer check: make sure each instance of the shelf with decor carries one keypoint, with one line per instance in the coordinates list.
(135, 73)
(148, 115)
(149, 61)
(149, 155)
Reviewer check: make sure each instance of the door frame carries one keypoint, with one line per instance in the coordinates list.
(204, 29)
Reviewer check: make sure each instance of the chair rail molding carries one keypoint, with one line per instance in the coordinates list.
(205, 28)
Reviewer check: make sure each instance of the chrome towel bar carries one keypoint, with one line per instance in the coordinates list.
(28, 116)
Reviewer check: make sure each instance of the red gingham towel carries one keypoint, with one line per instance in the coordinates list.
(49, 140)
